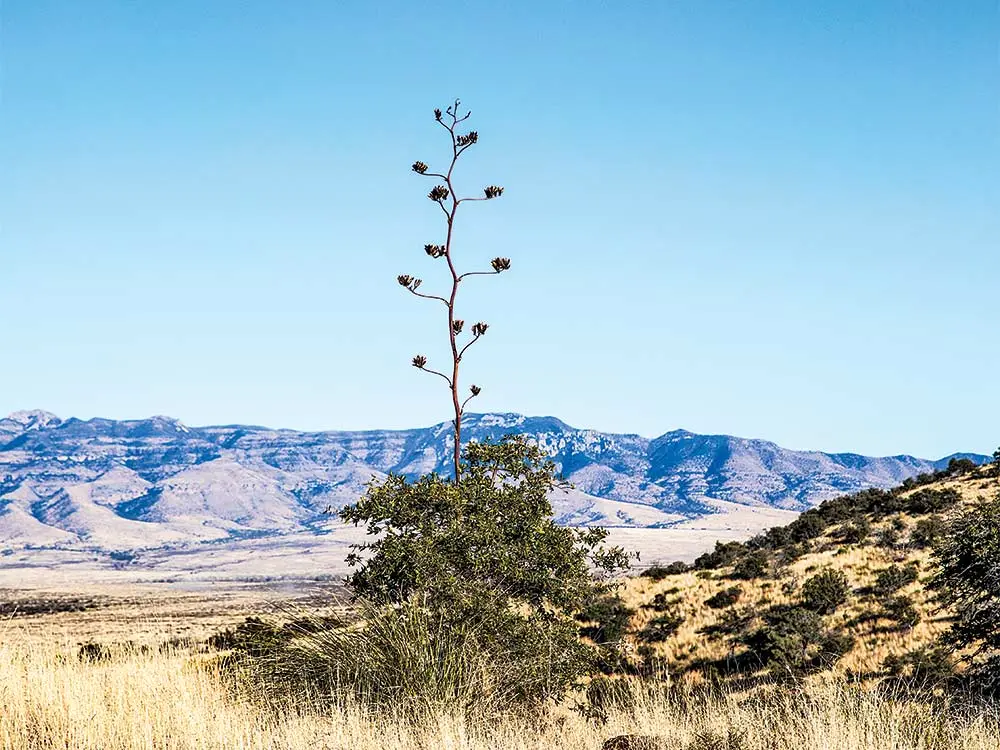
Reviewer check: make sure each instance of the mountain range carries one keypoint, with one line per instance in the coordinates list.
(155, 482)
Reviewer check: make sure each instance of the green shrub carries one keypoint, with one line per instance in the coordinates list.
(825, 591)
(660, 603)
(892, 579)
(725, 598)
(606, 616)
(968, 582)
(658, 572)
(887, 538)
(925, 668)
(661, 627)
(794, 641)
(902, 611)
(808, 526)
(927, 531)
(933, 501)
(960, 466)
(253, 637)
(485, 553)
(855, 532)
(725, 553)
(752, 565)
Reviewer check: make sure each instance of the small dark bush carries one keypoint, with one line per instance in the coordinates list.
(855, 532)
(960, 466)
(660, 603)
(807, 526)
(254, 637)
(752, 565)
(933, 501)
(778, 536)
(658, 572)
(607, 617)
(725, 598)
(662, 627)
(94, 652)
(825, 591)
(733, 739)
(793, 641)
(927, 531)
(901, 610)
(892, 579)
(887, 538)
(725, 553)
(924, 668)
(794, 551)
(730, 622)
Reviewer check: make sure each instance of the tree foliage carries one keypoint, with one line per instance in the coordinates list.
(825, 591)
(968, 582)
(486, 550)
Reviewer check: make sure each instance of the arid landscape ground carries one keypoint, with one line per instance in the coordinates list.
(118, 662)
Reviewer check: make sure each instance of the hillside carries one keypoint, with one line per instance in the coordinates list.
(773, 605)
(154, 482)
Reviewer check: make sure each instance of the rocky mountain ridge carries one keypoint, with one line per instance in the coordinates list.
(154, 482)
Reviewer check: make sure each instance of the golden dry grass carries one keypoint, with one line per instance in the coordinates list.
(50, 699)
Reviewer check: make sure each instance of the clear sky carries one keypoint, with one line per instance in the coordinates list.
(769, 219)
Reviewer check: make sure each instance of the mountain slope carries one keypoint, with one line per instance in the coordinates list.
(735, 612)
(156, 481)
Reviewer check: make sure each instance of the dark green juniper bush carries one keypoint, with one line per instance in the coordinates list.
(446, 197)
(968, 582)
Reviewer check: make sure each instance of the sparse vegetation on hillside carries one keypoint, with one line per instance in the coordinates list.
(839, 589)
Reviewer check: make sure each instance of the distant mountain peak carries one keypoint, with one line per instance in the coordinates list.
(32, 418)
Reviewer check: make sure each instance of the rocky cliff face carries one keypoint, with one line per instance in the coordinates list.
(154, 482)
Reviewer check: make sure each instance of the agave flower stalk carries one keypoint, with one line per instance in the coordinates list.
(445, 196)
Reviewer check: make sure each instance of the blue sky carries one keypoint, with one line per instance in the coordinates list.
(769, 219)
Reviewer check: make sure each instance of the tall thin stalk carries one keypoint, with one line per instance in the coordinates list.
(447, 199)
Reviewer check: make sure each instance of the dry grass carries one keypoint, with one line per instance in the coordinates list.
(176, 699)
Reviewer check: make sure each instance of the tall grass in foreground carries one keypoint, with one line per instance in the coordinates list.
(50, 699)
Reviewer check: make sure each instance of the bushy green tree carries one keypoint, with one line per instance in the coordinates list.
(486, 550)
(968, 582)
(752, 565)
(892, 579)
(725, 598)
(794, 641)
(825, 591)
(927, 531)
